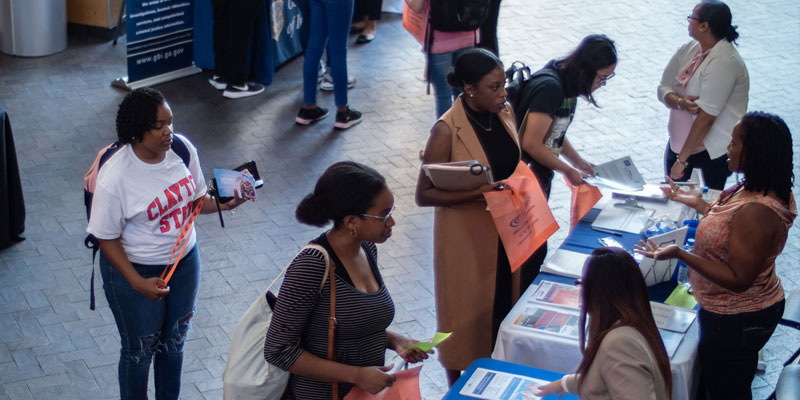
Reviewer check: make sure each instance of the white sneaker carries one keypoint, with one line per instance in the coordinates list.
(217, 82)
(326, 82)
(246, 90)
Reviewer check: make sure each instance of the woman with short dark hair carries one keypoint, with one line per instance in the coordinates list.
(705, 86)
(357, 201)
(144, 195)
(623, 355)
(472, 273)
(732, 264)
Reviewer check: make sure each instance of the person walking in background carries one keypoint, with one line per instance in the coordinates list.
(623, 355)
(472, 275)
(144, 193)
(442, 55)
(233, 27)
(705, 86)
(330, 23)
(732, 264)
(357, 201)
(488, 29)
(365, 14)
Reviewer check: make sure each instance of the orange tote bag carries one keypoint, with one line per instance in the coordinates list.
(406, 387)
(415, 23)
(521, 215)
(584, 197)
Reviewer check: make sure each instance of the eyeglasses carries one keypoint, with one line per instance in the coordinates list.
(382, 218)
(605, 78)
(689, 18)
(578, 282)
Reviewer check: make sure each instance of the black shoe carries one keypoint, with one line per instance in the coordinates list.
(217, 82)
(347, 118)
(245, 90)
(354, 29)
(363, 39)
(308, 115)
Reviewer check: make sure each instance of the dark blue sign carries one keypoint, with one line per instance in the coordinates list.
(160, 34)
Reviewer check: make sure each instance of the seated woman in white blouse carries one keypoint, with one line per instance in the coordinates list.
(624, 357)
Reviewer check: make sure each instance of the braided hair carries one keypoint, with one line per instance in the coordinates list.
(137, 114)
(766, 157)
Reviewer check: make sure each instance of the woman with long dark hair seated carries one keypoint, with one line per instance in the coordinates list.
(623, 355)
(732, 265)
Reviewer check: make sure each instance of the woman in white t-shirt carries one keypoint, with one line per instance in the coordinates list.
(706, 87)
(144, 195)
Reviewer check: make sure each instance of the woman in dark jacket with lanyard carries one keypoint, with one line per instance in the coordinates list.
(472, 272)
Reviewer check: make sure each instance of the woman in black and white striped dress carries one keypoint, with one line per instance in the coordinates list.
(355, 198)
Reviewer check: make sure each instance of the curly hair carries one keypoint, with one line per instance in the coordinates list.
(137, 114)
(766, 157)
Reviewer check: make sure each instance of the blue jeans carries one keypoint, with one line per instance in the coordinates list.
(728, 350)
(438, 67)
(152, 328)
(330, 22)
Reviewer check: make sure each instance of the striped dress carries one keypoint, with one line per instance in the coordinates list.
(302, 310)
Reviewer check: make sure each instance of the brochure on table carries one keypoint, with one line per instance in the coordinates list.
(671, 318)
(565, 263)
(557, 294)
(618, 174)
(551, 320)
(459, 175)
(495, 385)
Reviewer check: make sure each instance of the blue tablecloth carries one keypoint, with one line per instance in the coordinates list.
(583, 239)
(503, 366)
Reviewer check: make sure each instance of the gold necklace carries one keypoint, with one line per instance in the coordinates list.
(489, 129)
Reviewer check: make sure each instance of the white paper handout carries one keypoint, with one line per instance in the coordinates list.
(617, 174)
(625, 219)
(671, 318)
(565, 263)
(459, 175)
(495, 385)
(657, 271)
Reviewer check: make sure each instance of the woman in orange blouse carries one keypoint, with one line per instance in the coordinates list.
(732, 265)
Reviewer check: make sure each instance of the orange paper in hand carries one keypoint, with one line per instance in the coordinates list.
(406, 387)
(584, 197)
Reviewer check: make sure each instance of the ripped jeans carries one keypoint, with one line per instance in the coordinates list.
(152, 328)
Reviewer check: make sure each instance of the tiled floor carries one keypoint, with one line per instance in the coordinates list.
(62, 110)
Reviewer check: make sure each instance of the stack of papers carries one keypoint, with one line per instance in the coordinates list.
(618, 174)
(551, 320)
(565, 263)
(495, 385)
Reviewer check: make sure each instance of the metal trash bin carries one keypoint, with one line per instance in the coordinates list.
(33, 28)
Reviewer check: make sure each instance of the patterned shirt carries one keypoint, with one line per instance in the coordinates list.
(712, 242)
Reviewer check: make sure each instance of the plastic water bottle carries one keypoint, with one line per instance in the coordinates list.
(683, 269)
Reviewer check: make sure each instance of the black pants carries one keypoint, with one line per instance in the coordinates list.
(715, 172)
(233, 28)
(728, 350)
(367, 8)
(488, 29)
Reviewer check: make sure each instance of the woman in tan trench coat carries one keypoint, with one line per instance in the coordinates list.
(472, 276)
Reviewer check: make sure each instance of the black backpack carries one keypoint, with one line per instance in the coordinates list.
(178, 146)
(518, 93)
(458, 15)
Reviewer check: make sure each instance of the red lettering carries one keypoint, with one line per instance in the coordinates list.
(161, 209)
(170, 199)
(174, 216)
(164, 223)
(174, 188)
(150, 214)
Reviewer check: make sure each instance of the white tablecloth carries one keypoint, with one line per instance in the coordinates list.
(526, 346)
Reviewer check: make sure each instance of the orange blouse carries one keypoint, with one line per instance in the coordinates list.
(712, 242)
